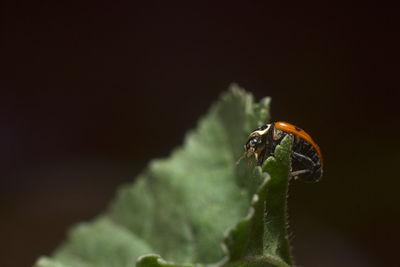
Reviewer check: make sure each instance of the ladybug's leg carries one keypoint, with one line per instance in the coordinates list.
(303, 158)
(306, 161)
(296, 174)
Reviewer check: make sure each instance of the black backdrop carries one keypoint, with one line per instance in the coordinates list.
(85, 85)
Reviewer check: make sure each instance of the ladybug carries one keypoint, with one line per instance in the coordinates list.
(306, 156)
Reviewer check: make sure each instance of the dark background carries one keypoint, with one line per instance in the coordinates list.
(83, 88)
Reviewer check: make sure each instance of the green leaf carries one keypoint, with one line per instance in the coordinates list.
(181, 207)
(262, 236)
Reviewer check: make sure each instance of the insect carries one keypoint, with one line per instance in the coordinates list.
(306, 156)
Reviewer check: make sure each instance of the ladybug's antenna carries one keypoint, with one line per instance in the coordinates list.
(238, 161)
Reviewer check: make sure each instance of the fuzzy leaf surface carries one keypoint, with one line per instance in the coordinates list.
(179, 208)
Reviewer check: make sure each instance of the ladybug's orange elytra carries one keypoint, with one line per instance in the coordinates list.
(290, 128)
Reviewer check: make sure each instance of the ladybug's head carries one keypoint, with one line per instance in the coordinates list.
(252, 144)
(255, 143)
(253, 147)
